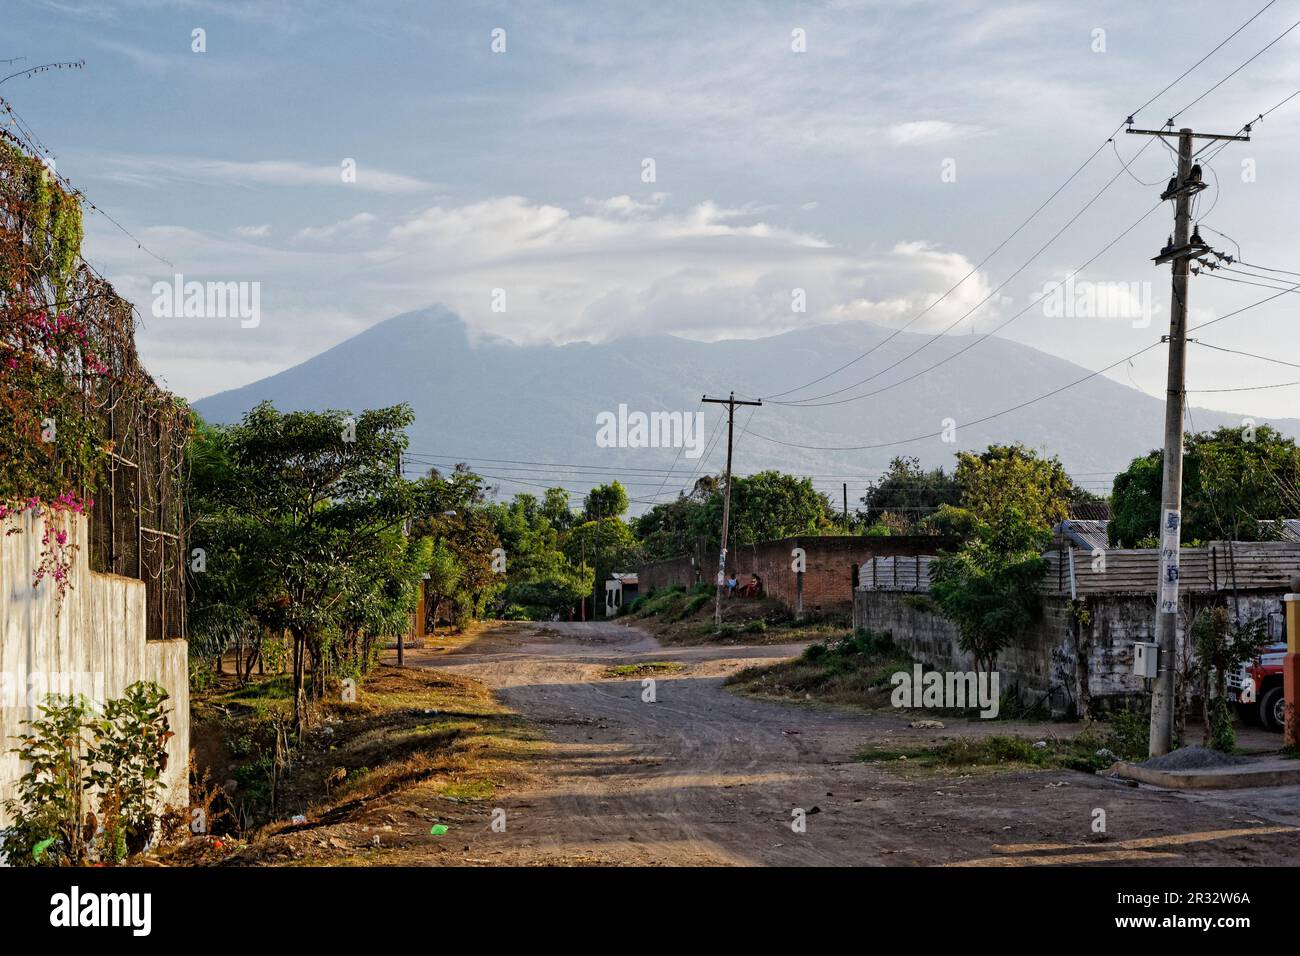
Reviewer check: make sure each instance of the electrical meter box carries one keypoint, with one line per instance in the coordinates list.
(1146, 658)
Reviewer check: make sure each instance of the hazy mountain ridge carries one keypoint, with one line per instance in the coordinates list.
(498, 400)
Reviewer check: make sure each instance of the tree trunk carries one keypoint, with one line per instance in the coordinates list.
(298, 702)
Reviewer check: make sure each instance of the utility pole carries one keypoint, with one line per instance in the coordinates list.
(406, 533)
(731, 403)
(1184, 245)
(846, 507)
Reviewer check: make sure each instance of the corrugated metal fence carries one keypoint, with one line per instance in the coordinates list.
(1221, 566)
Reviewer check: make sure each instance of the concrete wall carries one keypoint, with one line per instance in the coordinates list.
(1070, 665)
(95, 637)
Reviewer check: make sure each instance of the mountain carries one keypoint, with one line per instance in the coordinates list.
(503, 407)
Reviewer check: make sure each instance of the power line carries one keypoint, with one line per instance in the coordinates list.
(680, 449)
(1250, 60)
(1186, 72)
(1246, 127)
(1262, 358)
(1033, 215)
(1020, 405)
(979, 339)
(1243, 388)
(34, 144)
(1260, 285)
(1267, 269)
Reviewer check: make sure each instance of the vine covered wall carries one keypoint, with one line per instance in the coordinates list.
(83, 427)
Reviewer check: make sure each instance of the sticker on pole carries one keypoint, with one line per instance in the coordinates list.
(1170, 534)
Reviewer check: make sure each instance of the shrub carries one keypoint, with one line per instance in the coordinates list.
(814, 652)
(119, 757)
(46, 813)
(128, 756)
(693, 604)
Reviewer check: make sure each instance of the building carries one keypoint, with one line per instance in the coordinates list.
(1077, 658)
(620, 590)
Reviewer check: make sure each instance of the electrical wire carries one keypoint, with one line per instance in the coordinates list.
(1248, 61)
(1025, 404)
(1033, 215)
(978, 340)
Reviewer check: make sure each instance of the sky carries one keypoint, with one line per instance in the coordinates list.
(571, 171)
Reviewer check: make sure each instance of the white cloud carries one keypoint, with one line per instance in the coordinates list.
(159, 170)
(708, 272)
(353, 225)
(253, 232)
(924, 132)
(634, 266)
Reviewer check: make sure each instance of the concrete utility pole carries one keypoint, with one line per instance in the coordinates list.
(731, 403)
(1185, 245)
(406, 533)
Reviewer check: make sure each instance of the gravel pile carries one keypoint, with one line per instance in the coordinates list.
(1192, 758)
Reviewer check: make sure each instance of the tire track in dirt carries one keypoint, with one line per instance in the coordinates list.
(703, 776)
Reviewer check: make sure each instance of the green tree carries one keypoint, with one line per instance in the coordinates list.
(908, 493)
(605, 501)
(556, 510)
(540, 579)
(764, 506)
(320, 492)
(444, 578)
(232, 592)
(989, 587)
(460, 517)
(674, 528)
(1222, 645)
(604, 546)
(1011, 480)
(1235, 481)
(379, 599)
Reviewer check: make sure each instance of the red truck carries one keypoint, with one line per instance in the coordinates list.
(1257, 689)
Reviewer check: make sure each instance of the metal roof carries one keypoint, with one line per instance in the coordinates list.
(1084, 534)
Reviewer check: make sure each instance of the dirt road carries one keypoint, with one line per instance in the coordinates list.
(702, 776)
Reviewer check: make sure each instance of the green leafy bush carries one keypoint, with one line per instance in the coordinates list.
(117, 757)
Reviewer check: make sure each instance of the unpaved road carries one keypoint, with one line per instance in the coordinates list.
(703, 776)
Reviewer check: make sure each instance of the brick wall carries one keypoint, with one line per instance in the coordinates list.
(827, 580)
(661, 574)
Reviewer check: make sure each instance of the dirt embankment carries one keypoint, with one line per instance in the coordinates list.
(417, 750)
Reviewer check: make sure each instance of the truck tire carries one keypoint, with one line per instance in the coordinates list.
(1272, 709)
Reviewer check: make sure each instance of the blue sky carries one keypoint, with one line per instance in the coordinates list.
(774, 169)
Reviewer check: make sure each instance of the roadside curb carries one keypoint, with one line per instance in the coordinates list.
(1268, 772)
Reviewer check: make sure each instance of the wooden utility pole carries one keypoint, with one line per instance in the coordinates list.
(1184, 245)
(846, 507)
(731, 403)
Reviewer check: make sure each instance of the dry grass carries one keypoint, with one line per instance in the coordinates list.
(643, 669)
(413, 736)
(686, 618)
(850, 672)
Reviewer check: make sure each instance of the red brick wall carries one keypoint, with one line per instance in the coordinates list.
(828, 579)
(662, 574)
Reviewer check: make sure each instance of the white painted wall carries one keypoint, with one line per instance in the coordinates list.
(98, 630)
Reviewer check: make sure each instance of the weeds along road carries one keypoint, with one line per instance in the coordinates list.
(703, 776)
